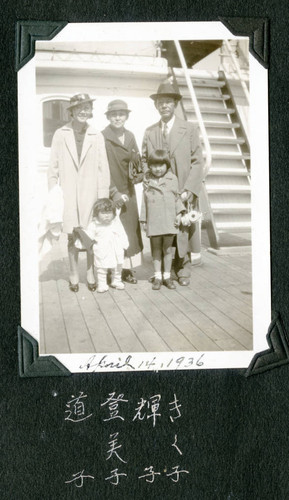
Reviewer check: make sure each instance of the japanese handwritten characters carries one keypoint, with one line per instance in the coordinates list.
(116, 412)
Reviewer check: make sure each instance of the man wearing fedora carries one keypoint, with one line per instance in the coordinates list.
(78, 162)
(180, 138)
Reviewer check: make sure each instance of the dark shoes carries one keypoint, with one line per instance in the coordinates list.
(156, 284)
(169, 284)
(91, 286)
(73, 288)
(128, 277)
(184, 281)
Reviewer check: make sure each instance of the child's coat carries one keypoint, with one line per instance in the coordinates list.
(161, 204)
(110, 242)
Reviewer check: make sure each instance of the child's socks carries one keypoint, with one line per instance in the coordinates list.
(102, 285)
(116, 281)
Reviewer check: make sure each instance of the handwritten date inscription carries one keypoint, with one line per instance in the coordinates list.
(99, 362)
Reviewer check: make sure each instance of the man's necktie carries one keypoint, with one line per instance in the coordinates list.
(166, 136)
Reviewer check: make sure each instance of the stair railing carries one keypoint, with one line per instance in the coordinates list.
(236, 67)
(210, 223)
(196, 108)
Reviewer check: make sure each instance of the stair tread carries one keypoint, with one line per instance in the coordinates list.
(225, 140)
(231, 206)
(228, 171)
(214, 111)
(231, 225)
(217, 124)
(200, 82)
(221, 97)
(230, 156)
(228, 188)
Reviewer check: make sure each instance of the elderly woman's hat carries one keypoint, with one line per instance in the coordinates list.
(78, 99)
(117, 105)
(167, 90)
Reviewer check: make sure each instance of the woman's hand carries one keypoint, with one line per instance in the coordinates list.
(177, 222)
(121, 201)
(144, 226)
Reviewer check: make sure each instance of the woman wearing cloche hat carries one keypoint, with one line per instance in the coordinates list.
(79, 164)
(125, 171)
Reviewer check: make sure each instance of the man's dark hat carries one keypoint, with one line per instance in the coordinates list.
(78, 99)
(167, 90)
(117, 105)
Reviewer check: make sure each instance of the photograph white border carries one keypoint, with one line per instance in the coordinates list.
(261, 279)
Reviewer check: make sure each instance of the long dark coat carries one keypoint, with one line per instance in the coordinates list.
(161, 204)
(186, 163)
(119, 156)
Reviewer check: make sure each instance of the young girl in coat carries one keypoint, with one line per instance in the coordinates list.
(160, 214)
(110, 241)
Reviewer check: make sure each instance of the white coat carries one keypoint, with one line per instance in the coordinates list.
(110, 242)
(83, 180)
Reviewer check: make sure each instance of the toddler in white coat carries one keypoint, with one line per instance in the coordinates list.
(110, 241)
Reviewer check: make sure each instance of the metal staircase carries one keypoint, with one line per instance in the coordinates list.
(226, 197)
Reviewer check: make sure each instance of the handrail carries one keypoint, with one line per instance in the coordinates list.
(237, 69)
(196, 108)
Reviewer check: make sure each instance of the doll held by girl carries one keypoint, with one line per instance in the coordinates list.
(161, 212)
(110, 241)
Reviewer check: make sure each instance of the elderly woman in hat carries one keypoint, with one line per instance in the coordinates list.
(125, 171)
(79, 164)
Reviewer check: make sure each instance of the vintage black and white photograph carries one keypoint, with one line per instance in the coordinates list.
(144, 196)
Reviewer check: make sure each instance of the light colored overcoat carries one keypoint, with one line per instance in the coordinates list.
(83, 180)
(186, 163)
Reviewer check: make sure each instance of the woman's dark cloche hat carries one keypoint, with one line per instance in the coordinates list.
(167, 90)
(78, 99)
(117, 105)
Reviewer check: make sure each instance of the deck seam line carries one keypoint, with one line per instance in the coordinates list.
(170, 350)
(112, 295)
(218, 323)
(173, 324)
(100, 310)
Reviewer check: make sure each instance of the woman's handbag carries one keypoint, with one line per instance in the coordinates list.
(135, 172)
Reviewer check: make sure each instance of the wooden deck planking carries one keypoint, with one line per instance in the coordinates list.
(221, 290)
(186, 324)
(121, 329)
(142, 327)
(233, 301)
(100, 333)
(214, 313)
(235, 331)
(167, 331)
(55, 332)
(240, 291)
(243, 293)
(227, 262)
(230, 345)
(79, 337)
(225, 307)
(217, 275)
(210, 331)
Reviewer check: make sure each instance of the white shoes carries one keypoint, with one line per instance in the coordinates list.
(102, 288)
(118, 285)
